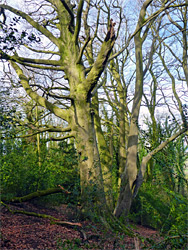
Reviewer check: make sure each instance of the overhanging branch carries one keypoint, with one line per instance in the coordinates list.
(61, 138)
(29, 61)
(37, 98)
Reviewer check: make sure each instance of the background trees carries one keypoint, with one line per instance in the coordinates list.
(99, 78)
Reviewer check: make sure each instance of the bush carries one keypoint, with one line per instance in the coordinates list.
(22, 174)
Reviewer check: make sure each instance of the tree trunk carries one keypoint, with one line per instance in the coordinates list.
(91, 181)
(105, 156)
(123, 133)
(130, 172)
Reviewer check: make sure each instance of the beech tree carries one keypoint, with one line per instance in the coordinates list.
(62, 27)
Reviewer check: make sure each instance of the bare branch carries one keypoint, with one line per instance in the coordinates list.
(23, 60)
(78, 21)
(71, 135)
(150, 18)
(82, 50)
(38, 99)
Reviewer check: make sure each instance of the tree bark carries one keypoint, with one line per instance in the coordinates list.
(104, 153)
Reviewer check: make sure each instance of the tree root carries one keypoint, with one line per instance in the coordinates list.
(45, 216)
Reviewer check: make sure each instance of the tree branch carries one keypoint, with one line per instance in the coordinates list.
(82, 50)
(38, 99)
(23, 60)
(78, 21)
(42, 130)
(102, 59)
(42, 51)
(70, 13)
(36, 25)
(138, 29)
(37, 194)
(62, 138)
(45, 216)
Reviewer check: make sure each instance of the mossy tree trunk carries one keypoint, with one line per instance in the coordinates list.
(104, 153)
(91, 179)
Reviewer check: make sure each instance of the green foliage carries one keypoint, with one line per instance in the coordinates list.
(17, 175)
(69, 244)
(175, 242)
(22, 174)
(160, 208)
(177, 220)
(76, 244)
(147, 209)
(167, 167)
(161, 201)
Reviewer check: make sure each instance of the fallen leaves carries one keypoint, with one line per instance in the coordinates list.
(20, 231)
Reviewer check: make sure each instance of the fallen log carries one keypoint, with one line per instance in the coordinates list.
(37, 194)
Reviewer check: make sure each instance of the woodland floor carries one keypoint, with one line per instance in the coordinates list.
(20, 231)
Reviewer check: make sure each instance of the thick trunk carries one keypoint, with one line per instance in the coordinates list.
(79, 115)
(91, 181)
(105, 156)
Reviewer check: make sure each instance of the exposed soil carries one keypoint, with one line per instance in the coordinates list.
(20, 231)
